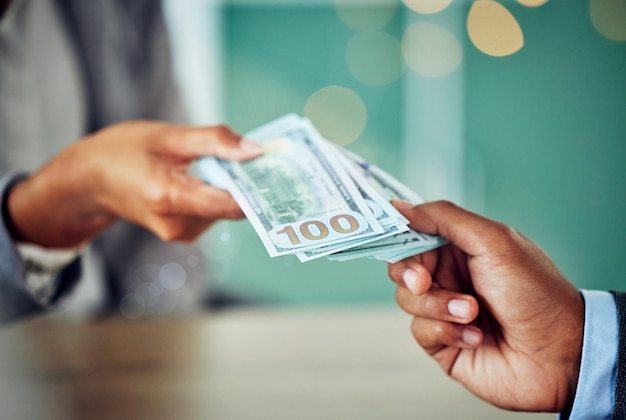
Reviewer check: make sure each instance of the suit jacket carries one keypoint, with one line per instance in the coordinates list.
(619, 407)
(125, 62)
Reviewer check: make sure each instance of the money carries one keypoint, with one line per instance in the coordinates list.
(307, 197)
(397, 247)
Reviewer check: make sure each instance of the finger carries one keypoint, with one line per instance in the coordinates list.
(188, 196)
(183, 216)
(439, 304)
(432, 335)
(219, 141)
(410, 274)
(470, 232)
(182, 229)
(210, 203)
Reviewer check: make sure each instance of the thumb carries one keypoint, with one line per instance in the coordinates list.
(219, 141)
(468, 231)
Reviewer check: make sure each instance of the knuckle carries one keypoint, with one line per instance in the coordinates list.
(154, 194)
(167, 234)
(444, 205)
(505, 238)
(188, 237)
(184, 229)
(162, 200)
(438, 330)
(232, 211)
(176, 131)
(398, 296)
(221, 131)
(430, 306)
(417, 329)
(192, 137)
(401, 298)
(503, 230)
(175, 230)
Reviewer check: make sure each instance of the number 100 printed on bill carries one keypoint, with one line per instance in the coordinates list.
(314, 232)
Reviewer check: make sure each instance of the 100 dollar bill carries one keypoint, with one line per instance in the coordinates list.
(297, 196)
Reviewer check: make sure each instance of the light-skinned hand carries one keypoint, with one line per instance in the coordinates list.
(134, 170)
(492, 309)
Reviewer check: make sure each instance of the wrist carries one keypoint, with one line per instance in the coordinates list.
(4, 206)
(573, 358)
(54, 210)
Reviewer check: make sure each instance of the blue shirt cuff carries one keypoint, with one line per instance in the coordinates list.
(596, 380)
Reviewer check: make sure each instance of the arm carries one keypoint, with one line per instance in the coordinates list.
(15, 302)
(135, 171)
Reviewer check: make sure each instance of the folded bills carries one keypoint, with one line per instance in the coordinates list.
(308, 197)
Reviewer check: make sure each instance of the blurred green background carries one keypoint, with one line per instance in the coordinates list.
(534, 138)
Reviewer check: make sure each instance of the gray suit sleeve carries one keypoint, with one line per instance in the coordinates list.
(15, 301)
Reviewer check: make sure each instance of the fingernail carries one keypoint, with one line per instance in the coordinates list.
(458, 308)
(250, 147)
(403, 205)
(471, 336)
(410, 279)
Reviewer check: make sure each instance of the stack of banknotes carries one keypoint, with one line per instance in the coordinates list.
(308, 197)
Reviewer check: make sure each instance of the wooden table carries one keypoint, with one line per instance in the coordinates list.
(274, 364)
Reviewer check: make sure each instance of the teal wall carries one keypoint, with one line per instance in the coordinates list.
(544, 145)
(546, 129)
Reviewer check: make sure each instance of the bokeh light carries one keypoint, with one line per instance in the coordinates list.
(132, 306)
(150, 293)
(366, 15)
(427, 7)
(168, 301)
(338, 113)
(172, 276)
(431, 50)
(532, 3)
(156, 289)
(193, 261)
(146, 273)
(375, 58)
(493, 29)
(222, 243)
(609, 18)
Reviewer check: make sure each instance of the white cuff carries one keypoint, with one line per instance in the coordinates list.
(596, 380)
(42, 267)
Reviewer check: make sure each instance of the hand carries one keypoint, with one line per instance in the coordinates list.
(134, 170)
(493, 310)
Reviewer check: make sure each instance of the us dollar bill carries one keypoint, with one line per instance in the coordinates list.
(297, 196)
(308, 197)
(401, 245)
